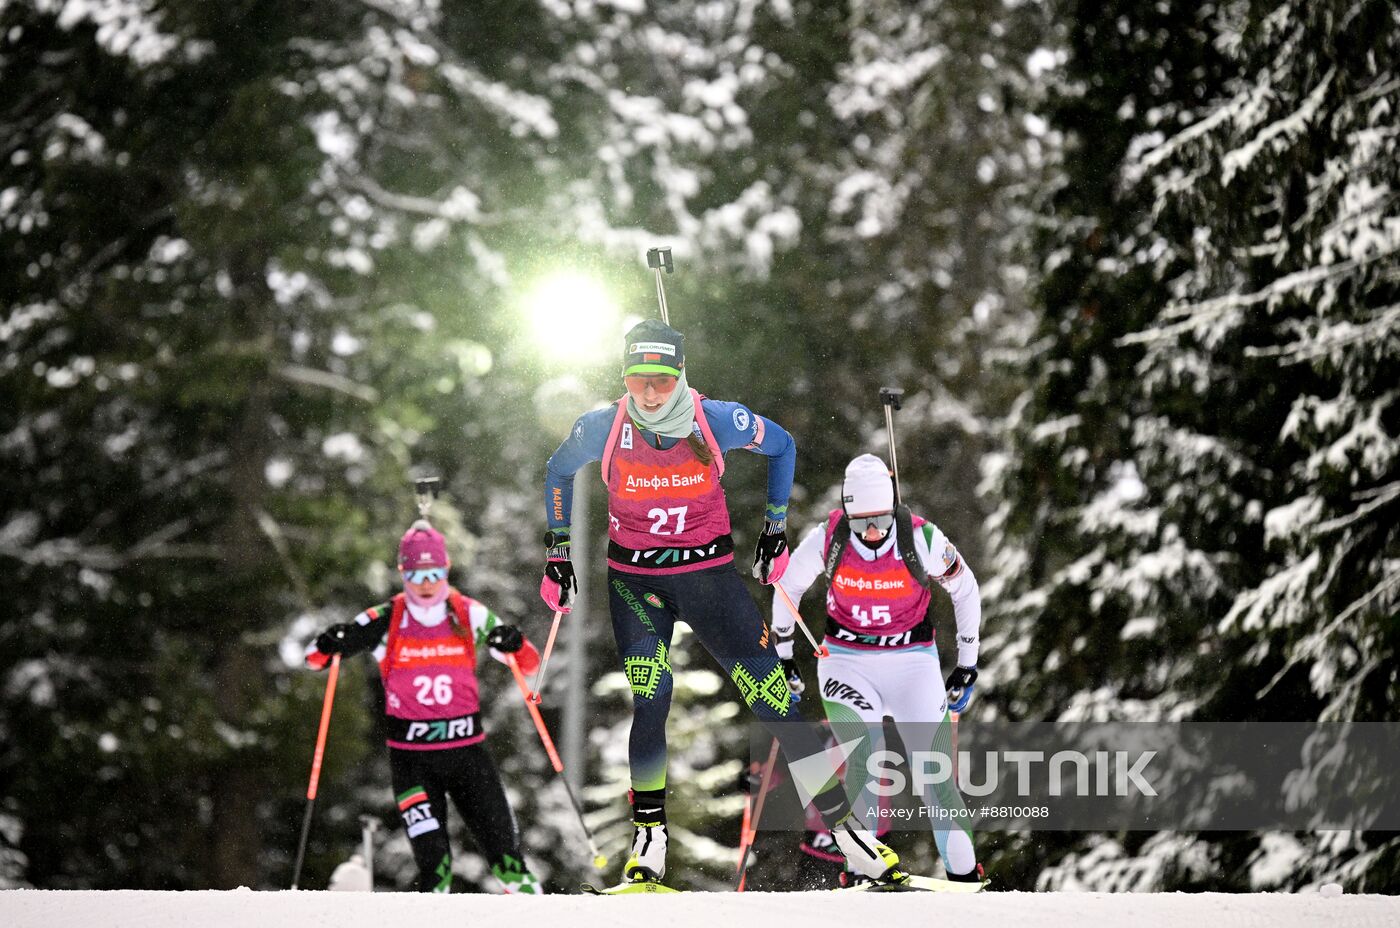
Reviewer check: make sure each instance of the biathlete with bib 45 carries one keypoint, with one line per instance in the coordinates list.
(426, 641)
(881, 562)
(670, 558)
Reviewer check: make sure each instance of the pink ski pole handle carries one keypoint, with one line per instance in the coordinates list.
(533, 696)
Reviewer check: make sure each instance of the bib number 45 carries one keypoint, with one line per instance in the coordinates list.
(875, 615)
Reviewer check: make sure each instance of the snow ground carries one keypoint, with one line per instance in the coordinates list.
(306, 909)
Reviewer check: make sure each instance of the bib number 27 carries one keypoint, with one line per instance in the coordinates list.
(662, 520)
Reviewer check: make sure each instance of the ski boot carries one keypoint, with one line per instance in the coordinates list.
(865, 855)
(647, 863)
(975, 875)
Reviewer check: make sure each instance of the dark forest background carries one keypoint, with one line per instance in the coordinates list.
(261, 261)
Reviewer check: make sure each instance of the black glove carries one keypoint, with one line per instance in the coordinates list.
(770, 555)
(505, 638)
(794, 677)
(333, 639)
(960, 688)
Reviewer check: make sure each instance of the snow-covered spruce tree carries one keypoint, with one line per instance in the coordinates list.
(1056, 634)
(1199, 515)
(210, 408)
(1289, 177)
(144, 719)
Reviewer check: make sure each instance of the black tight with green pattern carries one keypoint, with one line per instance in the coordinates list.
(717, 606)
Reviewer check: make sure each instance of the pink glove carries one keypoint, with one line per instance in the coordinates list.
(777, 568)
(558, 587)
(770, 555)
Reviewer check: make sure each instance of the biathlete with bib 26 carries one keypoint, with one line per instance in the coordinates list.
(881, 562)
(671, 557)
(426, 640)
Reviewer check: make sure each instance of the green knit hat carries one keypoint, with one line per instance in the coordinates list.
(653, 347)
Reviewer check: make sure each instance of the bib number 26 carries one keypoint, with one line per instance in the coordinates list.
(434, 691)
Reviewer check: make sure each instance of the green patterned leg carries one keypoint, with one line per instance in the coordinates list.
(444, 875)
(771, 695)
(649, 675)
(515, 879)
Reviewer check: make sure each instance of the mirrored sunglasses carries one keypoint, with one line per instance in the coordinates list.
(661, 383)
(425, 575)
(861, 524)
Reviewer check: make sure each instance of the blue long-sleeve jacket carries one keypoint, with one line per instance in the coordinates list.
(733, 424)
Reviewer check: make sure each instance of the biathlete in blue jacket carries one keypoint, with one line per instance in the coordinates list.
(671, 557)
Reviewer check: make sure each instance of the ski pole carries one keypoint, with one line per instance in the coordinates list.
(955, 749)
(534, 696)
(892, 398)
(659, 259)
(316, 766)
(819, 650)
(751, 833)
(368, 826)
(599, 860)
(744, 831)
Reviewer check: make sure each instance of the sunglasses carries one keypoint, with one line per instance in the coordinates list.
(862, 524)
(425, 575)
(661, 383)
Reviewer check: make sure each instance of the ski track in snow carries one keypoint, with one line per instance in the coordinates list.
(306, 909)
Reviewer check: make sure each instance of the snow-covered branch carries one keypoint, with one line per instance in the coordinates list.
(326, 380)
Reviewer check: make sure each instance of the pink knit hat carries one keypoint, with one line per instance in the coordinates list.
(422, 546)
